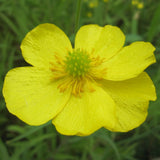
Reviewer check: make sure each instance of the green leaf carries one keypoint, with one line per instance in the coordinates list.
(3, 151)
(153, 29)
(29, 132)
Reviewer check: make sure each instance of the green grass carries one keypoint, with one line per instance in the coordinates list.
(19, 141)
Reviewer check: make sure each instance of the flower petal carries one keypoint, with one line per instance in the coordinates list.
(132, 98)
(130, 61)
(31, 95)
(84, 115)
(44, 42)
(100, 41)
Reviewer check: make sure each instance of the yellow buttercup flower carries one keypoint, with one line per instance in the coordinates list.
(140, 5)
(93, 4)
(98, 83)
(135, 2)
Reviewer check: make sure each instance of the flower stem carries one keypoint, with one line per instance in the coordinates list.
(78, 12)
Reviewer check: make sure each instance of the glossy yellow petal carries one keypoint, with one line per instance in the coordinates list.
(130, 61)
(100, 41)
(132, 99)
(32, 95)
(41, 44)
(84, 115)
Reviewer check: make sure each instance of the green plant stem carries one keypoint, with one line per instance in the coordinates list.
(78, 12)
(135, 22)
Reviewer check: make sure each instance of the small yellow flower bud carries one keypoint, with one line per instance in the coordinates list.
(105, 1)
(89, 14)
(134, 2)
(140, 5)
(93, 4)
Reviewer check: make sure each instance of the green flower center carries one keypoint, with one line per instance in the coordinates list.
(77, 63)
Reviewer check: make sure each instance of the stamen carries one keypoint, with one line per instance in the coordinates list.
(58, 71)
(97, 71)
(78, 72)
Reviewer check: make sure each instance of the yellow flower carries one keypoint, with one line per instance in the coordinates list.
(140, 5)
(93, 4)
(98, 83)
(135, 2)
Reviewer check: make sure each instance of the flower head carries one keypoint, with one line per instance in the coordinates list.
(98, 83)
(93, 4)
(105, 1)
(138, 4)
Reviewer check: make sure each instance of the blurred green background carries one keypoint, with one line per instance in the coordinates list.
(138, 20)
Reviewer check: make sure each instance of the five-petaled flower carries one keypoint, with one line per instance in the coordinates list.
(98, 83)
